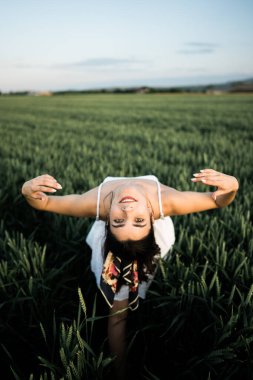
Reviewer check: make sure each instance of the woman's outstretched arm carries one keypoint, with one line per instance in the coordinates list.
(186, 202)
(80, 205)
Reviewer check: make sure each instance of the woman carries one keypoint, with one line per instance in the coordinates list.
(132, 230)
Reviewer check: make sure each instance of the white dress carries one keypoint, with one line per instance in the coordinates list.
(164, 236)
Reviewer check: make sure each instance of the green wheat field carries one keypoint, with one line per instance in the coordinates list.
(197, 320)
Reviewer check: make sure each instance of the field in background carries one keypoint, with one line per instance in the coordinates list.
(197, 320)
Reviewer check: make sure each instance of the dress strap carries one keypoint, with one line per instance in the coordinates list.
(160, 198)
(98, 200)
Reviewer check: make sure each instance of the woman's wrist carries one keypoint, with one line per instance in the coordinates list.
(224, 200)
(23, 190)
(236, 187)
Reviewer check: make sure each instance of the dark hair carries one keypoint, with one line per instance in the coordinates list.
(142, 250)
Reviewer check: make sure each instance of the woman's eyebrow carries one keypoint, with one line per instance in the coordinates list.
(135, 225)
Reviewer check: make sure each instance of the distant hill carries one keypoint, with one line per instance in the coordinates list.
(235, 86)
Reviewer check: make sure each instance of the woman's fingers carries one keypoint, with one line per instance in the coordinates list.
(210, 171)
(223, 182)
(44, 183)
(47, 189)
(207, 172)
(214, 180)
(46, 176)
(209, 177)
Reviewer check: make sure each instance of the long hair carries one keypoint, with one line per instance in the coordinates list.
(142, 250)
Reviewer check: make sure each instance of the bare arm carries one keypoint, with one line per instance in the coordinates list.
(186, 202)
(80, 205)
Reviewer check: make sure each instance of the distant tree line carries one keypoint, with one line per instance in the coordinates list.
(230, 87)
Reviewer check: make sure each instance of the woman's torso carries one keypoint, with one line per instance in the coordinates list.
(150, 185)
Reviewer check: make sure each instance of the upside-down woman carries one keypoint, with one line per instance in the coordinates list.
(132, 230)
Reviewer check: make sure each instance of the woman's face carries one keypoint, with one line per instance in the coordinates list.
(130, 214)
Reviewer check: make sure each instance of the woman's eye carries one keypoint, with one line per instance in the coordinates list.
(118, 220)
(139, 220)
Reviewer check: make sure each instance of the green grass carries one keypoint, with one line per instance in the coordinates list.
(196, 322)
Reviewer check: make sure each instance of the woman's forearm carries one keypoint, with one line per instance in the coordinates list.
(79, 205)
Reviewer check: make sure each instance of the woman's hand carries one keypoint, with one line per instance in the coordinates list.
(225, 183)
(36, 187)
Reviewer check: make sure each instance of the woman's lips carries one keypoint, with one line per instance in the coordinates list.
(127, 199)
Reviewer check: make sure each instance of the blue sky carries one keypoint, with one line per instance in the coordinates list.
(58, 44)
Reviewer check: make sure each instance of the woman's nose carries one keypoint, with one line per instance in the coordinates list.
(126, 207)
